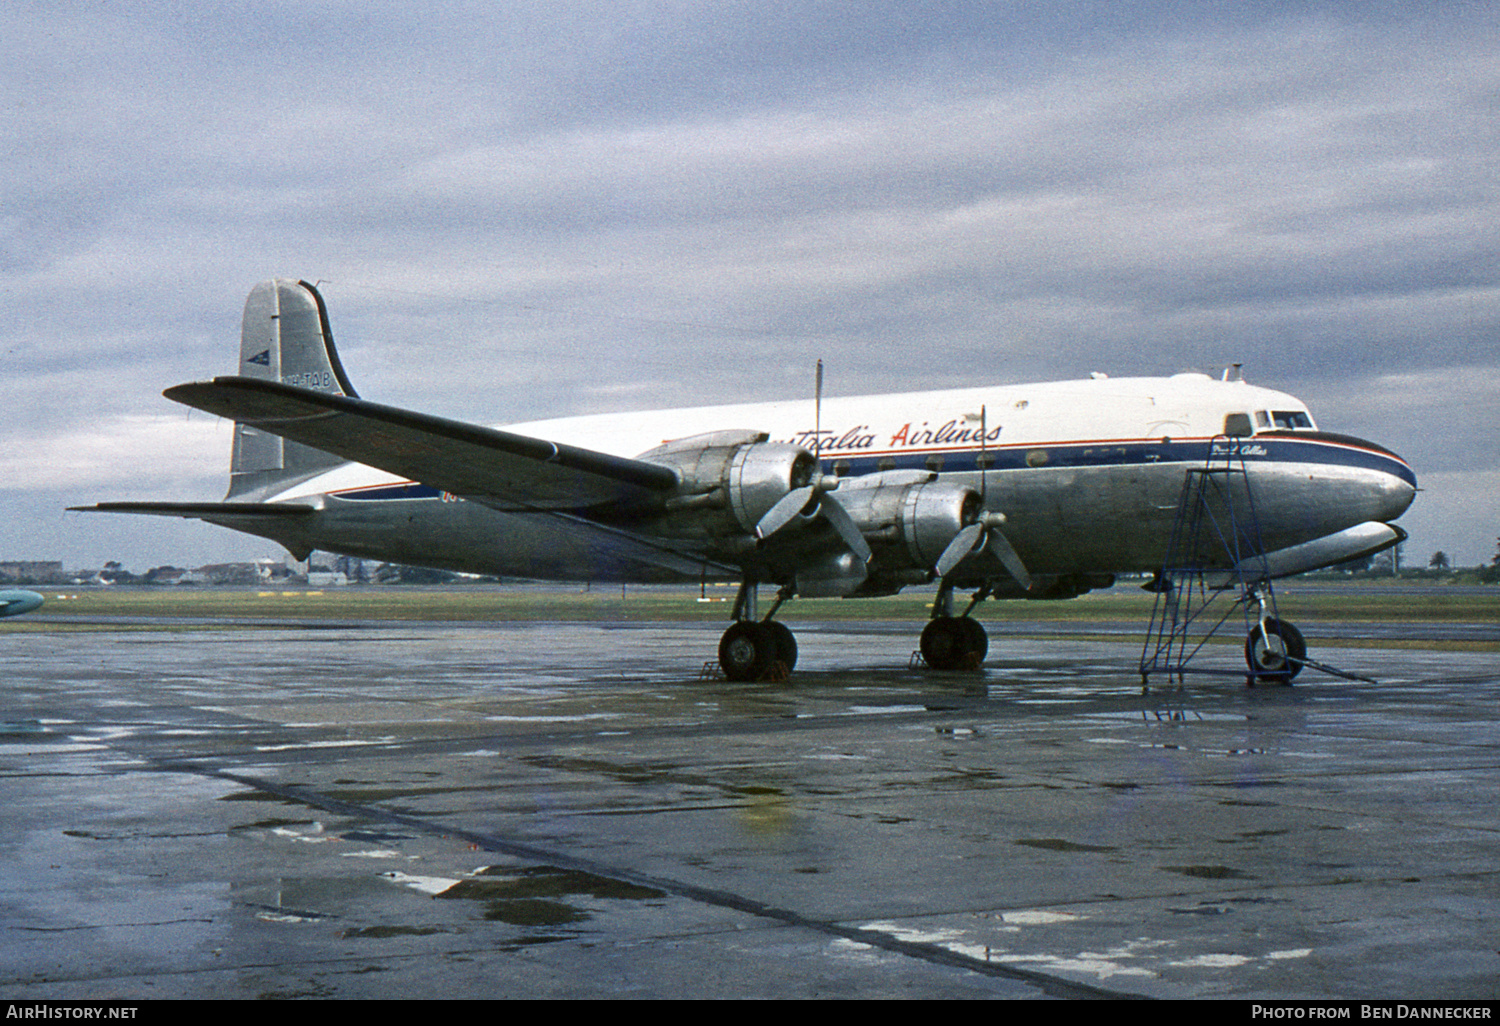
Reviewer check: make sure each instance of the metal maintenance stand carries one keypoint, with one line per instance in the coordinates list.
(1215, 566)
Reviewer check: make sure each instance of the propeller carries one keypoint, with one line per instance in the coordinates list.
(799, 499)
(794, 502)
(985, 530)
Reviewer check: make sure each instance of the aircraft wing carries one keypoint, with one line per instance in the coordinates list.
(203, 510)
(498, 468)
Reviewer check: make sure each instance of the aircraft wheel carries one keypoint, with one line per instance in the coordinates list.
(976, 641)
(786, 648)
(1277, 649)
(752, 651)
(954, 643)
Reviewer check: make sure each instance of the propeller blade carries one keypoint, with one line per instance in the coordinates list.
(847, 529)
(785, 510)
(1007, 556)
(971, 539)
(963, 543)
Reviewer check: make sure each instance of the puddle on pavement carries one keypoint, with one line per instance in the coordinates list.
(1210, 872)
(1058, 844)
(266, 797)
(387, 932)
(538, 896)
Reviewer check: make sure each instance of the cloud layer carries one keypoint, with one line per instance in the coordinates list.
(559, 207)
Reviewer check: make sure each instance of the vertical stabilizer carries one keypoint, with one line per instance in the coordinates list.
(285, 337)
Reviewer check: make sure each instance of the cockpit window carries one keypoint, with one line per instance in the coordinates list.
(1292, 419)
(1262, 419)
(1238, 425)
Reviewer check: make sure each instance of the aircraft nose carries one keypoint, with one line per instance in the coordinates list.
(1399, 495)
(1378, 484)
(1394, 480)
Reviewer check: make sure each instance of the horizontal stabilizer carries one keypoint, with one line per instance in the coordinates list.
(201, 510)
(498, 468)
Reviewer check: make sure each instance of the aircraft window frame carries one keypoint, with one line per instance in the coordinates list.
(1292, 420)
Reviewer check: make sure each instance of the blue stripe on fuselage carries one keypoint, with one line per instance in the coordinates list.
(388, 493)
(1311, 447)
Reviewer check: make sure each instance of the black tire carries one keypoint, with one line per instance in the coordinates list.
(954, 643)
(1275, 651)
(786, 649)
(977, 640)
(747, 651)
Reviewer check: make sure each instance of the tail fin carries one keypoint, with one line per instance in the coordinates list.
(285, 337)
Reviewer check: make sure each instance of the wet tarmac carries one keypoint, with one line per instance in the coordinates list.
(535, 810)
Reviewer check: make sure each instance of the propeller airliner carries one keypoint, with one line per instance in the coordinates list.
(1037, 491)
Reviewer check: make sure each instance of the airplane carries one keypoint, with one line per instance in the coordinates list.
(14, 603)
(1037, 491)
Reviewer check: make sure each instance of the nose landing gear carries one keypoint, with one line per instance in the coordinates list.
(1275, 649)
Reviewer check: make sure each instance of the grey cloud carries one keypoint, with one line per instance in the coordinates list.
(563, 205)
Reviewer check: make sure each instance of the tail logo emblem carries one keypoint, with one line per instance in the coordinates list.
(263, 358)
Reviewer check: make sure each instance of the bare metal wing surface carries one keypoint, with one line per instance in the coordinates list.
(501, 469)
(208, 510)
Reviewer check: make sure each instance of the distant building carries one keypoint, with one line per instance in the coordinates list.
(232, 573)
(33, 572)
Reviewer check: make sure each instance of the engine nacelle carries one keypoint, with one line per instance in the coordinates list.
(729, 480)
(908, 519)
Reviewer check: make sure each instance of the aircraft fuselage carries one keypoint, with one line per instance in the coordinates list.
(1088, 475)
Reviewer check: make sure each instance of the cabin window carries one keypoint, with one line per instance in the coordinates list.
(1293, 419)
(935, 463)
(1237, 425)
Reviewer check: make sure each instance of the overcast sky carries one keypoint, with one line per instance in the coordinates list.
(542, 208)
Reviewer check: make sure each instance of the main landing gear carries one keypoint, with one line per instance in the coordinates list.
(765, 650)
(954, 642)
(757, 650)
(752, 650)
